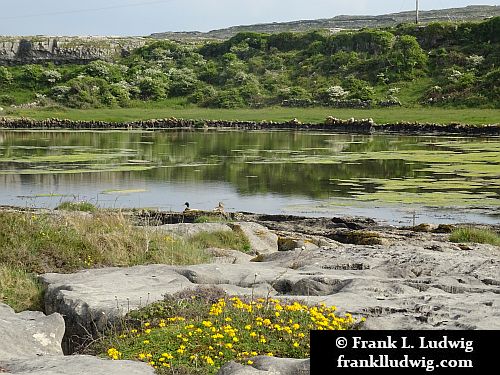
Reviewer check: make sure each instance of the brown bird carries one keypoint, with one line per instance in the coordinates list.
(219, 208)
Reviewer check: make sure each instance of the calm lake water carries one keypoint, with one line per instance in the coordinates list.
(388, 177)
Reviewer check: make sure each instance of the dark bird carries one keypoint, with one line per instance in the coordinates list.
(189, 209)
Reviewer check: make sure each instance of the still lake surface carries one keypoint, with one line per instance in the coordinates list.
(391, 178)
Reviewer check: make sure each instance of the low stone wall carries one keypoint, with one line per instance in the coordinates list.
(364, 126)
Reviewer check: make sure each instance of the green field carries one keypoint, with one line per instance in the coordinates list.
(314, 115)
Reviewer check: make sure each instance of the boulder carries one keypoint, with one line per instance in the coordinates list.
(262, 240)
(191, 229)
(31, 344)
(291, 243)
(265, 365)
(29, 334)
(75, 364)
(222, 256)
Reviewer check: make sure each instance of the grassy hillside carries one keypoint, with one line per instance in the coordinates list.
(441, 65)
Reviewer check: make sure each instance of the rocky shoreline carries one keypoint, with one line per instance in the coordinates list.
(331, 124)
(395, 277)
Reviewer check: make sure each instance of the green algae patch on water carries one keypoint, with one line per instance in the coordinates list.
(70, 158)
(94, 169)
(432, 199)
(124, 191)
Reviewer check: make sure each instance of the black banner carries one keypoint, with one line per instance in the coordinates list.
(404, 352)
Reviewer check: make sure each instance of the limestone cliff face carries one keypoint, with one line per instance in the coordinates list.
(60, 50)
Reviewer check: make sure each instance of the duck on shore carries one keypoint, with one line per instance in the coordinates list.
(188, 208)
(219, 208)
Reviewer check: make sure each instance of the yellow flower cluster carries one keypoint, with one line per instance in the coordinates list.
(233, 329)
(114, 354)
(218, 308)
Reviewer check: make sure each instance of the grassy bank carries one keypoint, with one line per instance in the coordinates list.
(145, 111)
(32, 244)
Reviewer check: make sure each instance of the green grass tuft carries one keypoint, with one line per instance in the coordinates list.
(476, 235)
(19, 289)
(234, 240)
(77, 206)
(211, 219)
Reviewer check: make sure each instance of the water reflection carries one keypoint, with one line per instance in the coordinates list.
(256, 171)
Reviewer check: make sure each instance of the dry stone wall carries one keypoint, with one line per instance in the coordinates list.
(362, 126)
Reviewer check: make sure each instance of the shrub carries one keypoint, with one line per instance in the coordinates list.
(51, 76)
(229, 98)
(182, 81)
(335, 93)
(5, 76)
(7, 99)
(407, 58)
(203, 95)
(152, 88)
(31, 76)
(121, 91)
(105, 70)
(84, 92)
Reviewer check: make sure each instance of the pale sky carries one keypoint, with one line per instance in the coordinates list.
(143, 17)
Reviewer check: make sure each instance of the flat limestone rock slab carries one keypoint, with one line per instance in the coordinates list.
(224, 256)
(265, 365)
(403, 285)
(191, 229)
(29, 334)
(75, 365)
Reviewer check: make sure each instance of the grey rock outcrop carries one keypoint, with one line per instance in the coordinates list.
(262, 240)
(338, 23)
(191, 229)
(404, 285)
(77, 364)
(31, 344)
(40, 49)
(264, 365)
(229, 256)
(29, 334)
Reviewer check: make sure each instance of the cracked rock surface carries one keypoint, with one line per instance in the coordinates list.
(410, 281)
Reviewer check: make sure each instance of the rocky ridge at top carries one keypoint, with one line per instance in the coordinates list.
(343, 22)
